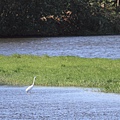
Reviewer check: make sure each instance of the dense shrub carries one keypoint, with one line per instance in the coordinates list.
(55, 18)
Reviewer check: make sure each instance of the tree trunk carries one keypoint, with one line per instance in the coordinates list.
(118, 2)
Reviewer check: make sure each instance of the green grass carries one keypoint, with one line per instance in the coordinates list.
(60, 71)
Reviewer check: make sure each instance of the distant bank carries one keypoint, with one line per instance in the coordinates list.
(59, 18)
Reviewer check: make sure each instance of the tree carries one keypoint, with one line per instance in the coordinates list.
(118, 2)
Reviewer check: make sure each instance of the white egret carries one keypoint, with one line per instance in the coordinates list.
(31, 86)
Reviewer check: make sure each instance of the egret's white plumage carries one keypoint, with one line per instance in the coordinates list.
(31, 86)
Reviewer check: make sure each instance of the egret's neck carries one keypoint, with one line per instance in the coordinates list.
(34, 80)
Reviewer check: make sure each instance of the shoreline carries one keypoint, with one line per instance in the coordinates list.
(43, 36)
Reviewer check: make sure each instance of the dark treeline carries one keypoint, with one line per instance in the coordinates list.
(59, 17)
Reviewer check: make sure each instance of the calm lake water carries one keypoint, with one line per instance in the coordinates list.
(57, 103)
(89, 47)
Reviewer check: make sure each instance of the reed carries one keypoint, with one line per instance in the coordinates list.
(60, 71)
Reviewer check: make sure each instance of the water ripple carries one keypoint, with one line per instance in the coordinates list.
(89, 47)
(58, 103)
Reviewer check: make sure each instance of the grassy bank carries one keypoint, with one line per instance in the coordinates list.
(60, 71)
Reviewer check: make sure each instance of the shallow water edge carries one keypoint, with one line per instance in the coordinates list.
(53, 103)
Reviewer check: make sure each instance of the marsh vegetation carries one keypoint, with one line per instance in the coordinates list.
(19, 70)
